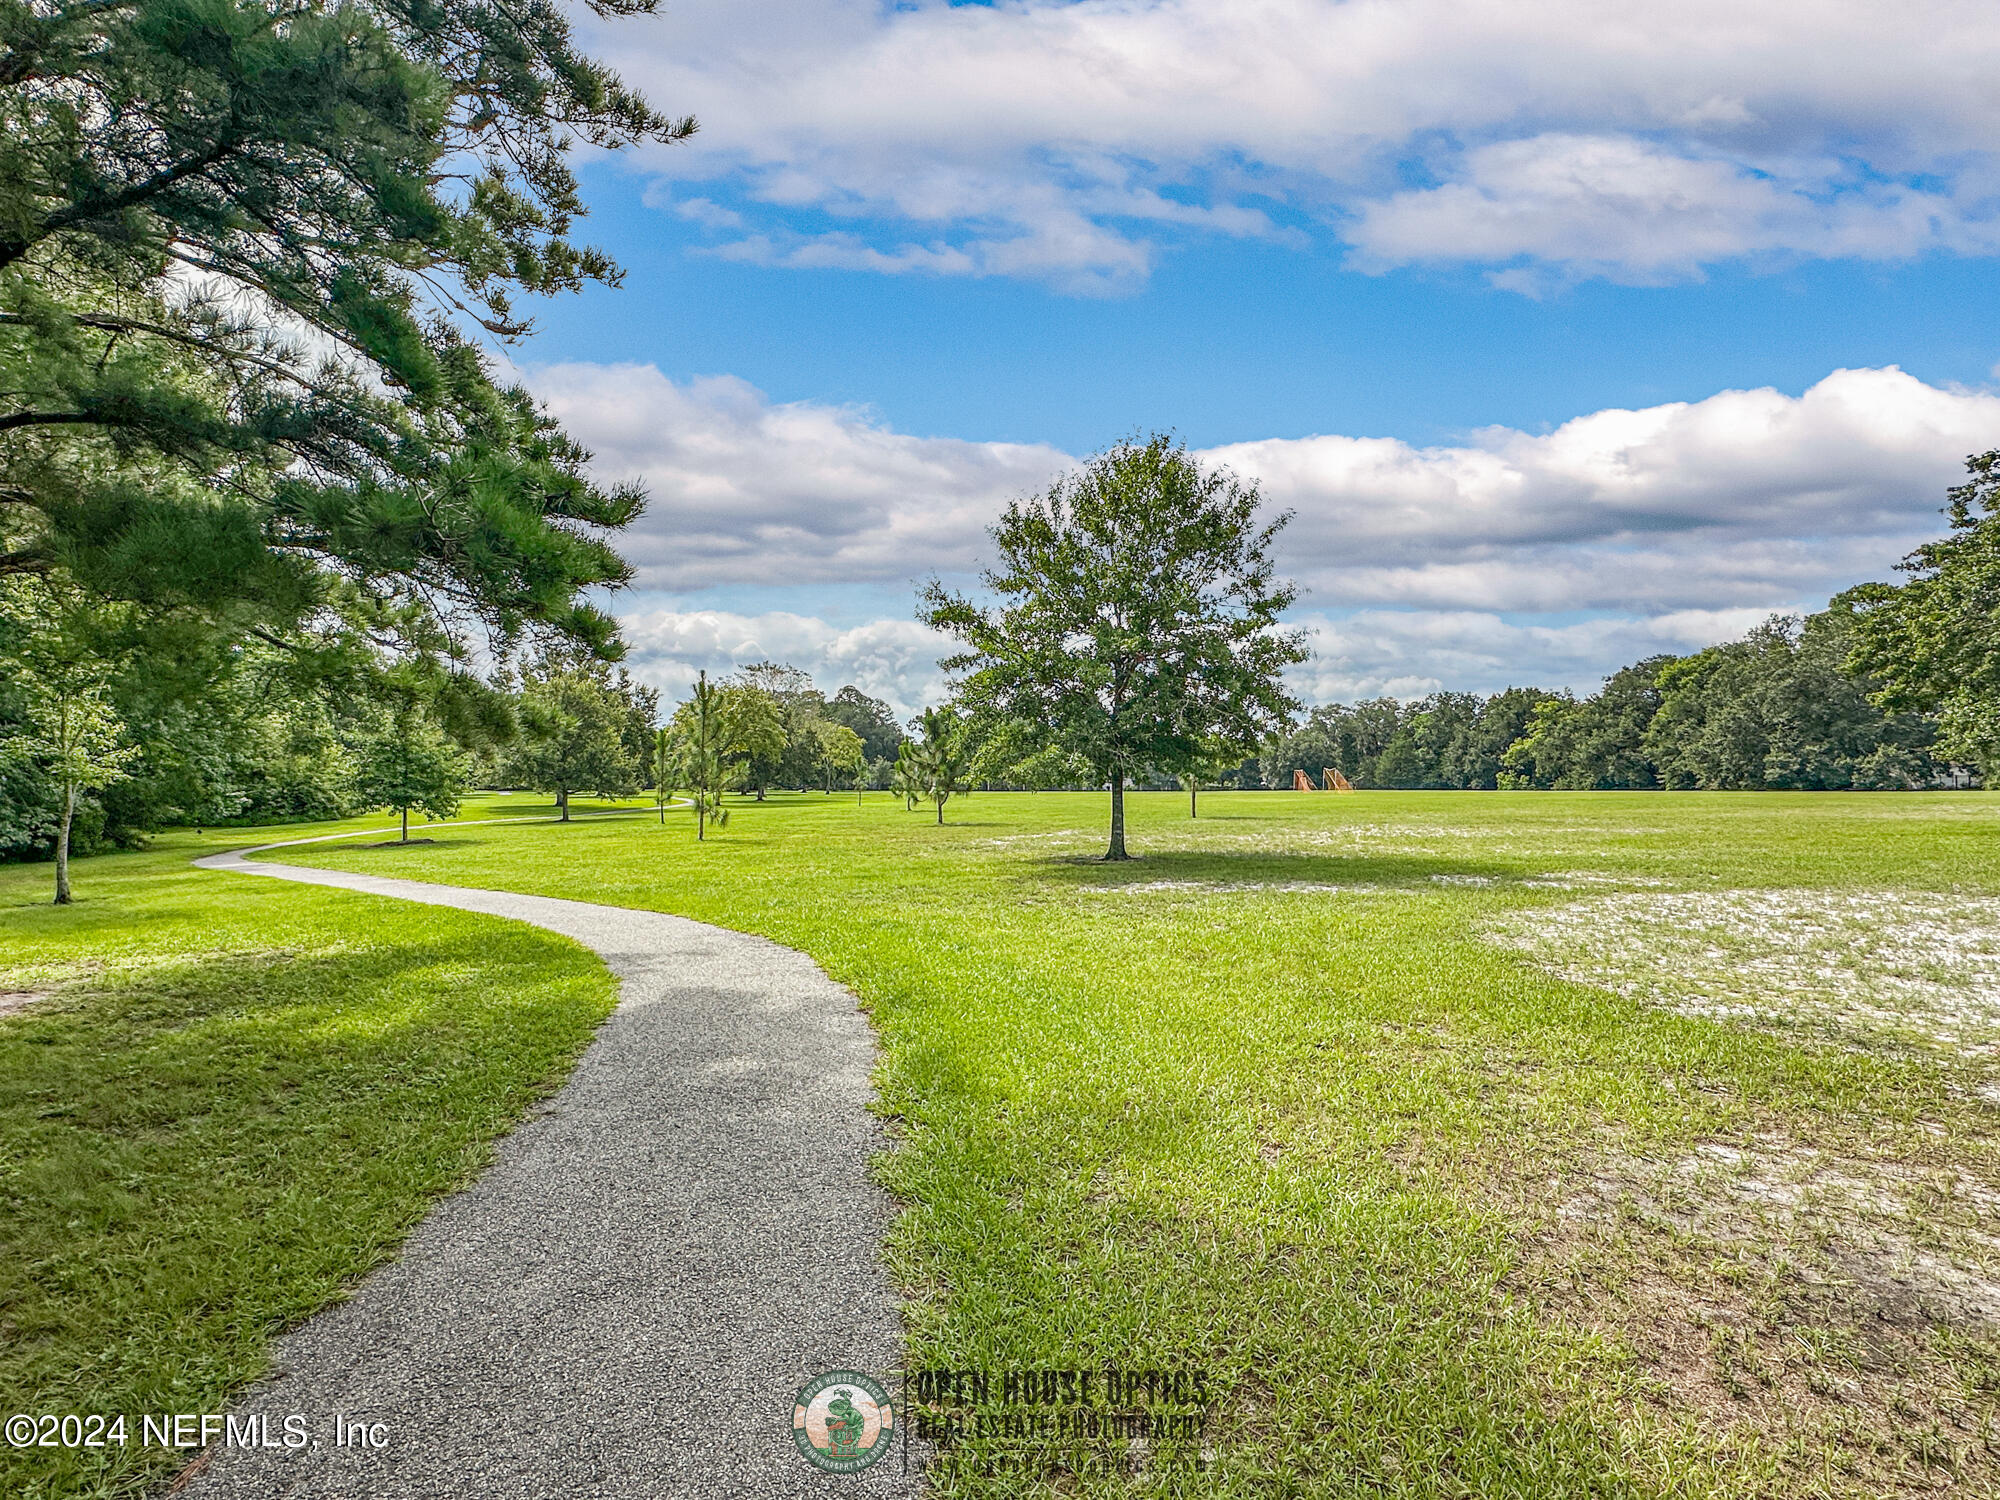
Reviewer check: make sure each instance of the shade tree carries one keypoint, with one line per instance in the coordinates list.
(72, 741)
(841, 751)
(410, 765)
(574, 718)
(1138, 617)
(871, 718)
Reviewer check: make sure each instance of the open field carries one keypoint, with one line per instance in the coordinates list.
(1304, 1097)
(222, 1100)
(1473, 1143)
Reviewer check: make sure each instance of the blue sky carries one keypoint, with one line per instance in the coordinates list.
(1227, 341)
(1570, 332)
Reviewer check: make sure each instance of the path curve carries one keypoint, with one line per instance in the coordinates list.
(625, 1304)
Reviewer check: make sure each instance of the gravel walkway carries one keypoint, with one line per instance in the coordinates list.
(626, 1303)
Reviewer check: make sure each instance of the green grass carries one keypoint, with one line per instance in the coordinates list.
(1436, 1221)
(1274, 1101)
(234, 1097)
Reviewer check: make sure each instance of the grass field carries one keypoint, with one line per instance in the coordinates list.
(1474, 1144)
(221, 1101)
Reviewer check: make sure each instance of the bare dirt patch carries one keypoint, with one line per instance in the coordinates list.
(13, 1002)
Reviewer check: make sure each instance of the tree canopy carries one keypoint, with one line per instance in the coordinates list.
(578, 730)
(239, 243)
(1138, 617)
(1934, 642)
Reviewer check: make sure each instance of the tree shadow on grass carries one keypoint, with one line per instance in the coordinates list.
(369, 842)
(1225, 869)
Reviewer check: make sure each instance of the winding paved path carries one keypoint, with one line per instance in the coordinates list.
(624, 1306)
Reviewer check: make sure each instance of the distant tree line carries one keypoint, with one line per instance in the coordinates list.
(1781, 709)
(253, 741)
(1784, 708)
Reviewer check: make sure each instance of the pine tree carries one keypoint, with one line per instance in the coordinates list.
(937, 762)
(238, 242)
(704, 732)
(906, 780)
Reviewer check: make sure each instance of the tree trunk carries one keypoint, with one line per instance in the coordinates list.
(62, 846)
(700, 819)
(562, 801)
(1193, 788)
(1117, 849)
(406, 825)
(940, 803)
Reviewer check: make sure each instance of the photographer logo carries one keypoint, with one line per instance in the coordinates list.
(842, 1422)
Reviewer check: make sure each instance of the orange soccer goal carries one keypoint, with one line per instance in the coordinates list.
(1303, 783)
(1335, 782)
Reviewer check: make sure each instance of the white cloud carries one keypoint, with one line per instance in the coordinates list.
(894, 660)
(1745, 496)
(1678, 524)
(748, 491)
(707, 213)
(1628, 210)
(1058, 138)
(1734, 501)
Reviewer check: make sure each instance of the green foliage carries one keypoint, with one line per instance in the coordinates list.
(233, 237)
(906, 780)
(782, 746)
(841, 752)
(760, 729)
(1005, 754)
(411, 765)
(1348, 738)
(577, 723)
(1933, 644)
(710, 735)
(1780, 709)
(1139, 618)
(1598, 743)
(663, 769)
(1783, 708)
(69, 737)
(1447, 741)
(936, 761)
(870, 718)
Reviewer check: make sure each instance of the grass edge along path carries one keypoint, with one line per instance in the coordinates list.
(231, 1099)
(1266, 1101)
